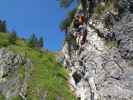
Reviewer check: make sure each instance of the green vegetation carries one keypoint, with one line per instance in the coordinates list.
(70, 39)
(21, 72)
(17, 98)
(68, 20)
(100, 8)
(34, 42)
(46, 74)
(4, 39)
(3, 27)
(13, 37)
(110, 44)
(2, 97)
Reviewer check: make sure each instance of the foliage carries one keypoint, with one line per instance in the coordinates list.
(70, 39)
(40, 42)
(2, 97)
(72, 13)
(3, 26)
(34, 42)
(111, 44)
(100, 9)
(12, 37)
(21, 72)
(68, 20)
(65, 24)
(17, 98)
(4, 39)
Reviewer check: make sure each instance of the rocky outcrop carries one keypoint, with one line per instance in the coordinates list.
(14, 74)
(102, 69)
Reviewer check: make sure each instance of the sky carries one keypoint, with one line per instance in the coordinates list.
(41, 17)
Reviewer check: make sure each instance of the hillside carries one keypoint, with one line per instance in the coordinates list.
(30, 74)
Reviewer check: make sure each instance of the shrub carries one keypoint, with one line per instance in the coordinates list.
(3, 26)
(100, 9)
(12, 37)
(68, 20)
(32, 41)
(71, 40)
(2, 97)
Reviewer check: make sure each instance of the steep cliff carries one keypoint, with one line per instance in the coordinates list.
(102, 69)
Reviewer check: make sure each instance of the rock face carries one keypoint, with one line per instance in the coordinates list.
(14, 74)
(100, 71)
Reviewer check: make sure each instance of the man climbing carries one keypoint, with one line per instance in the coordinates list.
(84, 37)
(81, 19)
(80, 28)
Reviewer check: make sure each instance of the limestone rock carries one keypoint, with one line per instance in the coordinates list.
(11, 82)
(100, 72)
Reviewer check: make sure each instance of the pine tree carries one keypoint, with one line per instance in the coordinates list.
(12, 37)
(41, 40)
(32, 41)
(3, 26)
(39, 43)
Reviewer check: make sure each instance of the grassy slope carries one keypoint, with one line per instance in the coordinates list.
(47, 75)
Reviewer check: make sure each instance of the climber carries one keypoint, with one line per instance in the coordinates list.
(79, 28)
(82, 19)
(82, 29)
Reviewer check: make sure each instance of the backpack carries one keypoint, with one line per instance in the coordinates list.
(81, 19)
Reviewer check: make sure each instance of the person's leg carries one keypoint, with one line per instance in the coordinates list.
(84, 37)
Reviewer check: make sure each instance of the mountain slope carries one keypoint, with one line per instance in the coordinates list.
(40, 75)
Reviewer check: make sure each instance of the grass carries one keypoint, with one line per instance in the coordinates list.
(2, 97)
(21, 72)
(47, 75)
(16, 98)
(4, 39)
